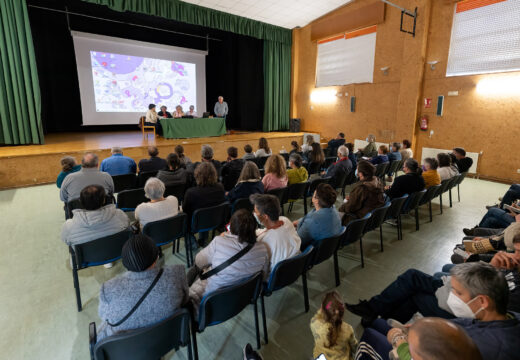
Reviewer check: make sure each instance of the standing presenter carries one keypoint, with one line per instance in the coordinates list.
(221, 110)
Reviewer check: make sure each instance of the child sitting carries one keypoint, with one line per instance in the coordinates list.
(333, 337)
(249, 152)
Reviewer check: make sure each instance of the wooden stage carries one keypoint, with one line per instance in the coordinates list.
(28, 165)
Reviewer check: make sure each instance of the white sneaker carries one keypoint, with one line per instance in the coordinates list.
(109, 265)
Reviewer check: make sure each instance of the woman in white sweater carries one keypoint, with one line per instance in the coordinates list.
(159, 207)
(263, 148)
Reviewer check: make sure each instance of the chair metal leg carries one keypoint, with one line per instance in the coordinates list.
(440, 200)
(194, 339)
(399, 228)
(76, 285)
(430, 209)
(458, 191)
(417, 218)
(305, 291)
(255, 305)
(336, 268)
(450, 198)
(361, 250)
(190, 350)
(381, 236)
(264, 320)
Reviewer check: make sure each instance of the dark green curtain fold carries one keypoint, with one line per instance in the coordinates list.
(20, 103)
(277, 85)
(277, 46)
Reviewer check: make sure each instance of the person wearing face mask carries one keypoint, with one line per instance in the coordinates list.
(278, 234)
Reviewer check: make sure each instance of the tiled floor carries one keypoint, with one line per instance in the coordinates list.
(39, 319)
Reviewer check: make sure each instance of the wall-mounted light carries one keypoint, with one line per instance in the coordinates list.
(323, 95)
(503, 85)
(432, 64)
(385, 70)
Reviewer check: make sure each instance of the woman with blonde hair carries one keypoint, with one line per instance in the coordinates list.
(263, 148)
(275, 173)
(249, 182)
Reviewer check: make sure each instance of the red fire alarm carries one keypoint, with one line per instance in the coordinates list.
(427, 103)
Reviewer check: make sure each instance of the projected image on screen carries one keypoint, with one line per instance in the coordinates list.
(124, 83)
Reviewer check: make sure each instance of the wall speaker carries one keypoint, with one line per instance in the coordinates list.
(294, 125)
(353, 104)
(440, 105)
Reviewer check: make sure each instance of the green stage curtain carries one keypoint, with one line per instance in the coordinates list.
(277, 85)
(20, 103)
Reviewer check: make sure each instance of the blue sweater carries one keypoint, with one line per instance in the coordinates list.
(379, 159)
(244, 190)
(319, 225)
(393, 156)
(118, 164)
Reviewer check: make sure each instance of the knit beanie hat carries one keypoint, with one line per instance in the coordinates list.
(510, 233)
(139, 253)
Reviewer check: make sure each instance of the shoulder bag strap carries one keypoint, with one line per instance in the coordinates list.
(157, 277)
(226, 263)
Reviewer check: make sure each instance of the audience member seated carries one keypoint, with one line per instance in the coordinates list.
(176, 173)
(366, 196)
(242, 228)
(248, 149)
(206, 152)
(275, 173)
(191, 112)
(495, 218)
(154, 163)
(179, 150)
(406, 151)
(410, 182)
(339, 168)
(297, 172)
(512, 194)
(249, 183)
(88, 175)
(158, 207)
(118, 164)
(119, 295)
(178, 113)
(351, 155)
(381, 157)
(393, 155)
(426, 339)
(278, 234)
(446, 170)
(334, 144)
(95, 220)
(231, 169)
(68, 166)
(463, 163)
(333, 337)
(309, 140)
(295, 148)
(152, 119)
(323, 221)
(263, 148)
(163, 113)
(430, 175)
(369, 149)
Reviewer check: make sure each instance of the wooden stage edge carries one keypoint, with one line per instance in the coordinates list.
(28, 165)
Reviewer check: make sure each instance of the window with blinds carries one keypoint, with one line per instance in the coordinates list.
(485, 37)
(347, 59)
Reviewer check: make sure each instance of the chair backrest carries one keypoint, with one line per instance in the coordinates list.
(280, 193)
(329, 161)
(400, 167)
(124, 182)
(222, 304)
(326, 247)
(444, 186)
(242, 203)
(71, 205)
(100, 251)
(394, 165)
(152, 342)
(127, 200)
(314, 184)
(340, 180)
(461, 178)
(377, 218)
(313, 168)
(145, 175)
(289, 270)
(354, 230)
(142, 120)
(381, 169)
(285, 156)
(413, 201)
(351, 178)
(295, 191)
(209, 218)
(260, 161)
(396, 206)
(177, 190)
(431, 192)
(166, 230)
(453, 182)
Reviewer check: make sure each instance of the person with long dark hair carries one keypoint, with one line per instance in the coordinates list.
(263, 148)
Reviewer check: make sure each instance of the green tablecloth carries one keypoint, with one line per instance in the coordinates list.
(196, 127)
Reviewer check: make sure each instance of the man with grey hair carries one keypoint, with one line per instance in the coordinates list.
(88, 175)
(159, 207)
(206, 153)
(118, 164)
(341, 167)
(221, 108)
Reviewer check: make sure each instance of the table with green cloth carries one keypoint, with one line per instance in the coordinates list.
(177, 128)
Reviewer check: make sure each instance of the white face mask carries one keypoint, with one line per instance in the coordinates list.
(460, 308)
(257, 219)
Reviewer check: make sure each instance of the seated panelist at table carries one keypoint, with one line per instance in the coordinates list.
(191, 112)
(178, 113)
(163, 113)
(152, 119)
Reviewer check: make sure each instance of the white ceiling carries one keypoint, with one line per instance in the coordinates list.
(285, 13)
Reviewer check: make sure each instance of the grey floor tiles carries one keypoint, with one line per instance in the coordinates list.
(38, 314)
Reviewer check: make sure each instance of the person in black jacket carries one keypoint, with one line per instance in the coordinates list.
(334, 144)
(163, 113)
(175, 174)
(206, 153)
(154, 163)
(232, 169)
(340, 167)
(249, 183)
(462, 162)
(410, 182)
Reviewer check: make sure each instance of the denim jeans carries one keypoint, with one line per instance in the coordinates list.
(374, 340)
(511, 195)
(413, 291)
(496, 218)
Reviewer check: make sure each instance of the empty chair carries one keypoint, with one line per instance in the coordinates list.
(285, 273)
(326, 248)
(280, 193)
(413, 204)
(453, 182)
(394, 213)
(127, 200)
(376, 221)
(393, 167)
(151, 342)
(168, 231)
(294, 193)
(143, 176)
(459, 181)
(285, 156)
(381, 170)
(354, 232)
(124, 182)
(260, 161)
(175, 190)
(223, 304)
(431, 193)
(311, 187)
(94, 253)
(243, 203)
(313, 168)
(329, 161)
(351, 179)
(444, 187)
